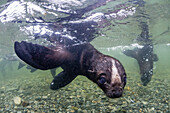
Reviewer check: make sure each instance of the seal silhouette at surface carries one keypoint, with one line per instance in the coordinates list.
(107, 72)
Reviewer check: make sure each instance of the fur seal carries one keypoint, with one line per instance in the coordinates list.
(144, 56)
(106, 71)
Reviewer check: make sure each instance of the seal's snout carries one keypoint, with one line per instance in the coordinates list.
(115, 92)
(52, 86)
(145, 79)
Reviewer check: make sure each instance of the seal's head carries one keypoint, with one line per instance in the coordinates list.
(110, 76)
(146, 71)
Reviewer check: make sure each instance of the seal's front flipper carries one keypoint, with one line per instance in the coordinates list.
(41, 57)
(53, 72)
(130, 53)
(61, 80)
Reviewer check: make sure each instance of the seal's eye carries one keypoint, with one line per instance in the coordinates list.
(102, 80)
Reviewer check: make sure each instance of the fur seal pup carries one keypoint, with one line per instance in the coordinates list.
(106, 71)
(145, 58)
(145, 55)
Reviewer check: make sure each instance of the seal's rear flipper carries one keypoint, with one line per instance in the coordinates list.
(130, 53)
(61, 80)
(31, 69)
(155, 58)
(41, 57)
(53, 72)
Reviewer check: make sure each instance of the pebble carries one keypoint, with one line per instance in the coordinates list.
(17, 100)
(44, 97)
(38, 98)
(144, 102)
(153, 108)
(19, 112)
(29, 107)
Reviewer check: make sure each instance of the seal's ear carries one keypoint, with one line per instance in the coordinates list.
(41, 57)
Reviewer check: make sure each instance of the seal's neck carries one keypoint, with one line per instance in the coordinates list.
(88, 60)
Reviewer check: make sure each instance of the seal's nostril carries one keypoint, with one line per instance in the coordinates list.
(117, 91)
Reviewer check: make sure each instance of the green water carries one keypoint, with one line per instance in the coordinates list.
(82, 95)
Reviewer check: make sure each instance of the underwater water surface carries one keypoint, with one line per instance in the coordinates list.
(22, 91)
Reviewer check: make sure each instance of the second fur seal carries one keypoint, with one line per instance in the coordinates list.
(106, 71)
